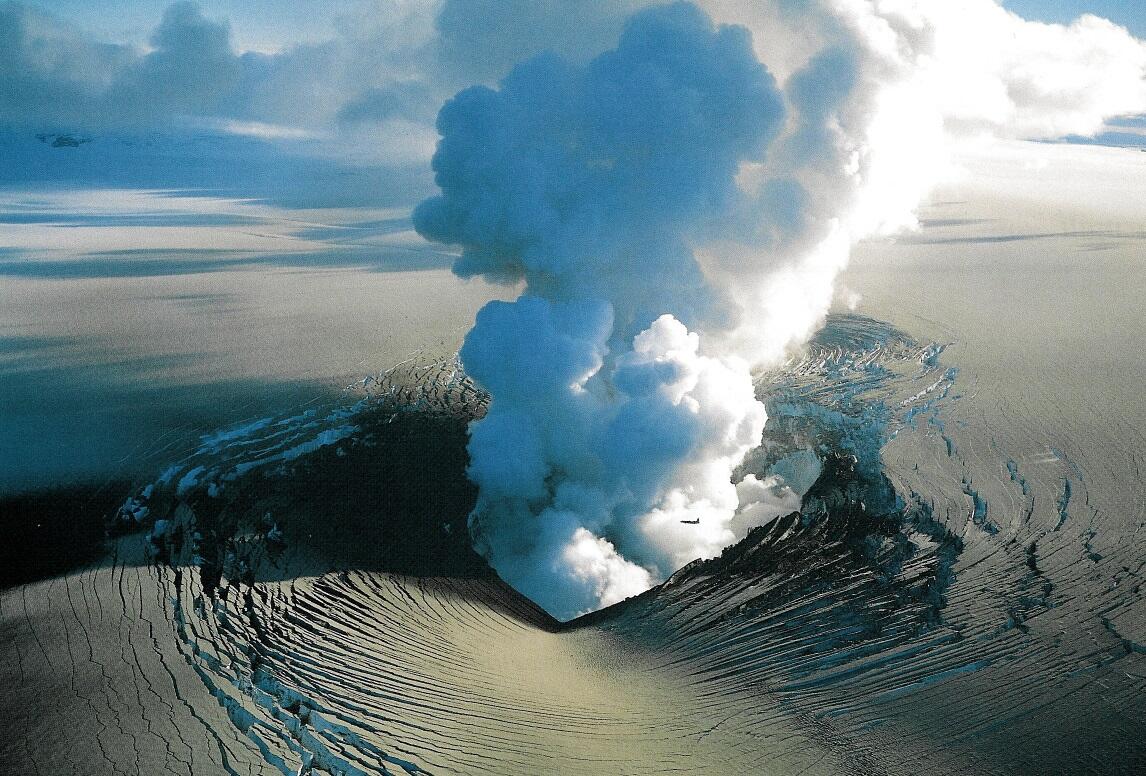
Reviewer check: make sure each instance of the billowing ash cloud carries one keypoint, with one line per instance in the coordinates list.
(677, 218)
(608, 426)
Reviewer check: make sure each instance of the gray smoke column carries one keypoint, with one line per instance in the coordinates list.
(607, 425)
(676, 218)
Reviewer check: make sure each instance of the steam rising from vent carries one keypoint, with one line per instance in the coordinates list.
(678, 218)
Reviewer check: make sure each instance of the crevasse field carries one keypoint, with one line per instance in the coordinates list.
(994, 625)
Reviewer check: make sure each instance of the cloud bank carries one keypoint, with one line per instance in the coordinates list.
(380, 79)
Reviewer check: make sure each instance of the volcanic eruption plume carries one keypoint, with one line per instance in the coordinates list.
(677, 217)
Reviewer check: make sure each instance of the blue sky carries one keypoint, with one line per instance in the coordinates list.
(270, 24)
(255, 24)
(1129, 13)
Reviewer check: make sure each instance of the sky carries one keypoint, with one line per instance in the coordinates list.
(1129, 13)
(267, 25)
(258, 25)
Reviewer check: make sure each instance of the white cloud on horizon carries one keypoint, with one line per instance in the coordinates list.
(389, 65)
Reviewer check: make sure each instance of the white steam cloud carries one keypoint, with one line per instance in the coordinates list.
(678, 215)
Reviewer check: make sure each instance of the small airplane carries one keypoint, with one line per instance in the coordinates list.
(691, 522)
